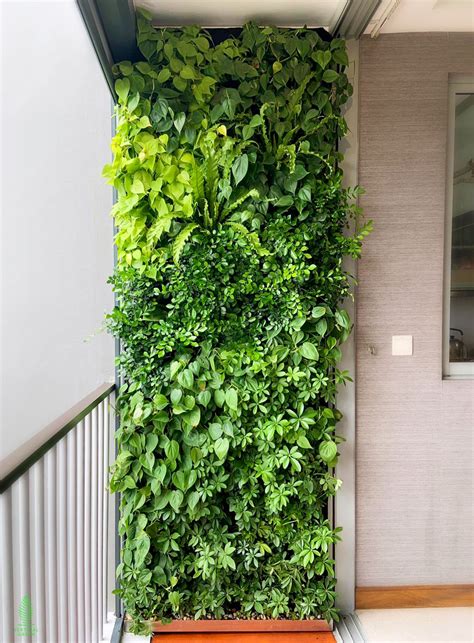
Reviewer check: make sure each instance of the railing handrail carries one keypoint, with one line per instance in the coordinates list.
(15, 464)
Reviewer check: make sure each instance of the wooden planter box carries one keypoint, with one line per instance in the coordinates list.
(243, 626)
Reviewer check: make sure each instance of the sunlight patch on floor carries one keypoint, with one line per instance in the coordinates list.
(429, 625)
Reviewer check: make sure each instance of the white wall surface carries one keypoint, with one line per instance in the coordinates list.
(56, 235)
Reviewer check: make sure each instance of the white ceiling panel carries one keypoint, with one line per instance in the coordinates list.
(400, 16)
(232, 13)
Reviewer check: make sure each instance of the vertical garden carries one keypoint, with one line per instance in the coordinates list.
(232, 227)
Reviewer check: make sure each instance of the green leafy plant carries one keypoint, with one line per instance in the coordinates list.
(232, 230)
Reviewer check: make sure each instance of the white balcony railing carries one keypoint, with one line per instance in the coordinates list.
(54, 526)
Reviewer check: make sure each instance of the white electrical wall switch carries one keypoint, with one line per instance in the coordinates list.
(402, 344)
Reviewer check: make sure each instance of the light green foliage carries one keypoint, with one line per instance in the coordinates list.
(232, 230)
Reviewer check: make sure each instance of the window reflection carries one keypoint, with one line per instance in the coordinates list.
(461, 334)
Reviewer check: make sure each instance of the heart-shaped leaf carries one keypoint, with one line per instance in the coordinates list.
(215, 430)
(176, 499)
(179, 121)
(221, 447)
(318, 311)
(193, 499)
(240, 167)
(122, 87)
(323, 58)
(309, 351)
(330, 76)
(164, 75)
(160, 401)
(232, 399)
(328, 450)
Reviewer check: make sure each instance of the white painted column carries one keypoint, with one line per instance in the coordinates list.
(344, 505)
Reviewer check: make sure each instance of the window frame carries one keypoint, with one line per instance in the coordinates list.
(452, 370)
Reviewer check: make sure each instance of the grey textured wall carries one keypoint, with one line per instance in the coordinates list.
(414, 430)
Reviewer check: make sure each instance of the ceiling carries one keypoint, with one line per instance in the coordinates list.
(398, 16)
(232, 13)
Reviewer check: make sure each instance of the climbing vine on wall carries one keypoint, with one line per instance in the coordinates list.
(232, 231)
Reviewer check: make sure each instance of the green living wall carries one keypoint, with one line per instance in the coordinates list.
(232, 231)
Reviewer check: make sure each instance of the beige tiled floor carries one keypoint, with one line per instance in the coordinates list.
(431, 625)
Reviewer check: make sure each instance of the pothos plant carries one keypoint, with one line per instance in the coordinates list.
(233, 226)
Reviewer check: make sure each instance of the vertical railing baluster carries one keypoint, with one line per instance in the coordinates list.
(80, 462)
(16, 549)
(100, 509)
(61, 530)
(7, 607)
(51, 546)
(71, 534)
(87, 528)
(38, 551)
(94, 529)
(105, 515)
(24, 540)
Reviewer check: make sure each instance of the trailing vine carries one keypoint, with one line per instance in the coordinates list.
(232, 231)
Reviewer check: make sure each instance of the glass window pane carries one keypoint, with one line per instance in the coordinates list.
(461, 322)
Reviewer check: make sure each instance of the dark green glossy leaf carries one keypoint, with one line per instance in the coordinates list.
(240, 167)
(330, 76)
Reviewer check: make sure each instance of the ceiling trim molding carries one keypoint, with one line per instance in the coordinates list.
(111, 27)
(355, 18)
(95, 29)
(119, 22)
